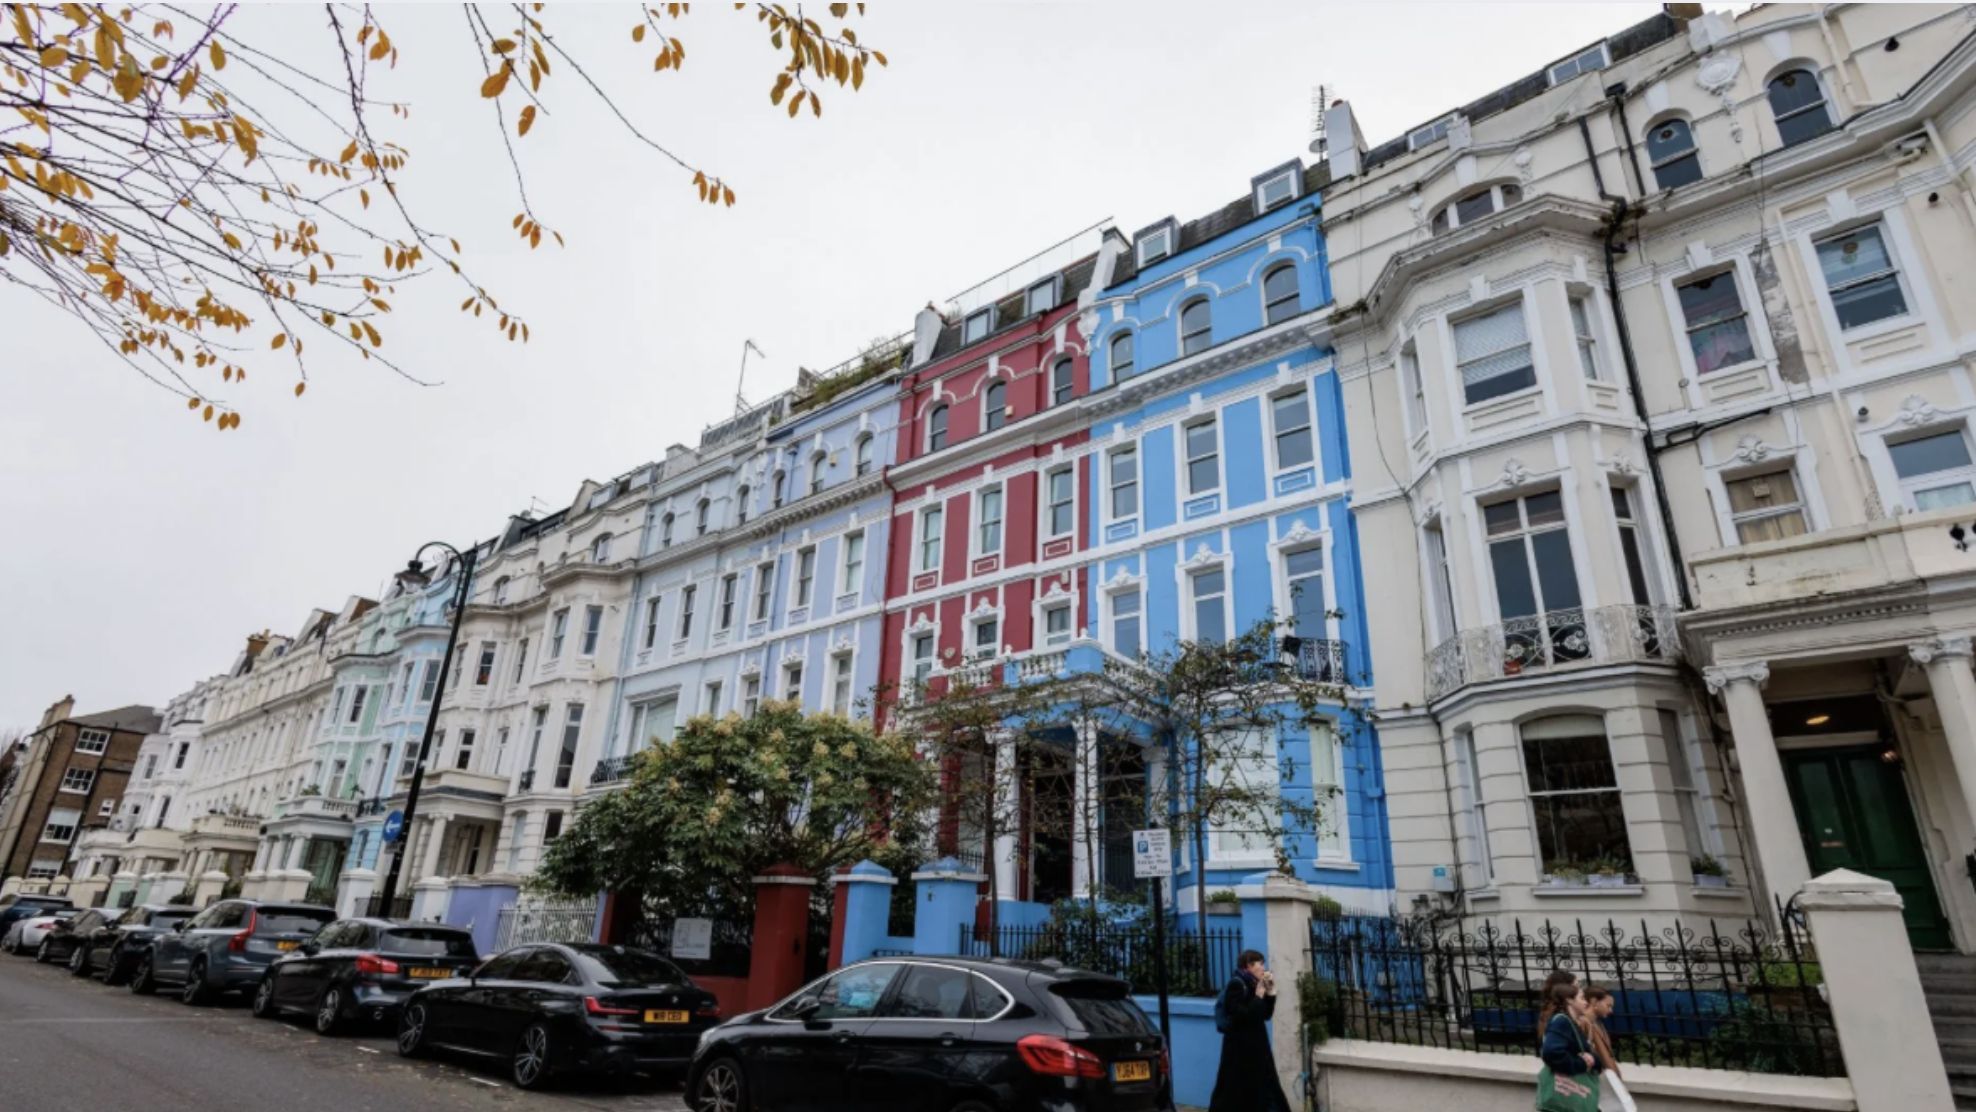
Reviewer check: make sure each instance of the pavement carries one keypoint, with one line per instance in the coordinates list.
(73, 1043)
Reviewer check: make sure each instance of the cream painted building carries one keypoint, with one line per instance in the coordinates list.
(1656, 363)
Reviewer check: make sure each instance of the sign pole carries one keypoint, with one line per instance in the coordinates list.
(1152, 859)
(1159, 955)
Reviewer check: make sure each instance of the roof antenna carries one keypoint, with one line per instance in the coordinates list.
(1320, 99)
(740, 401)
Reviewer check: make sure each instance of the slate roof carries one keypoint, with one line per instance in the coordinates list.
(1009, 310)
(1219, 223)
(136, 718)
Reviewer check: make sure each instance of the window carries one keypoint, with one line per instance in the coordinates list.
(931, 537)
(1574, 795)
(977, 325)
(792, 682)
(1588, 344)
(500, 751)
(987, 637)
(1492, 354)
(653, 723)
(1536, 581)
(1061, 384)
(922, 656)
(710, 700)
(483, 671)
(1798, 105)
(1056, 625)
(1671, 150)
(1203, 457)
(651, 637)
(1121, 356)
(995, 406)
(665, 531)
(741, 505)
(1303, 584)
(1934, 469)
(552, 826)
(943, 993)
(1290, 417)
(78, 780)
(988, 527)
(1630, 549)
(572, 729)
(729, 585)
(1124, 463)
(150, 766)
(700, 514)
(1468, 770)
(61, 825)
(819, 464)
(1860, 277)
(852, 577)
(1126, 639)
(515, 837)
(1766, 506)
(1196, 326)
(840, 683)
(861, 455)
(776, 488)
(593, 627)
(1718, 328)
(1681, 777)
(1248, 767)
(521, 662)
(854, 993)
(1155, 245)
(1281, 298)
(686, 594)
(1060, 491)
(362, 693)
(751, 695)
(92, 741)
(558, 629)
(1040, 298)
(1591, 61)
(1429, 133)
(1471, 207)
(453, 682)
(1414, 389)
(764, 586)
(600, 549)
(539, 723)
(463, 755)
(1209, 590)
(44, 866)
(178, 758)
(936, 429)
(805, 575)
(1276, 189)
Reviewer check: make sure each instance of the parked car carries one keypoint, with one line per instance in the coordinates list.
(226, 947)
(114, 946)
(362, 969)
(25, 935)
(550, 1009)
(939, 1035)
(58, 941)
(17, 907)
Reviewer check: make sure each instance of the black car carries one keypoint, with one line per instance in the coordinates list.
(17, 907)
(59, 943)
(573, 1008)
(362, 969)
(226, 947)
(939, 1035)
(111, 941)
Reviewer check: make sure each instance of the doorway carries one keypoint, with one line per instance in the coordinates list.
(1854, 813)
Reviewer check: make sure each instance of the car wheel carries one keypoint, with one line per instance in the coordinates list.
(143, 982)
(263, 1005)
(530, 1067)
(722, 1088)
(79, 962)
(194, 991)
(329, 1011)
(411, 1031)
(44, 953)
(113, 967)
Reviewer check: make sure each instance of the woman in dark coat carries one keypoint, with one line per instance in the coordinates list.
(1246, 1081)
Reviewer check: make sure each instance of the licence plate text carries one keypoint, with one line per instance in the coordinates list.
(284, 946)
(426, 972)
(1132, 1071)
(656, 1016)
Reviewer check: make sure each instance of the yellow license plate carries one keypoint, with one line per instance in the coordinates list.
(427, 972)
(1132, 1071)
(286, 945)
(667, 1017)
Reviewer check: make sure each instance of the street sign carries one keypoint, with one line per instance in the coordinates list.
(692, 938)
(1152, 854)
(394, 826)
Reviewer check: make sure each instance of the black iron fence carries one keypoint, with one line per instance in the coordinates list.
(1723, 996)
(399, 908)
(729, 950)
(1196, 964)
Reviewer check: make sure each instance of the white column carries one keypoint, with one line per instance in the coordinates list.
(1086, 811)
(1946, 660)
(1008, 805)
(435, 845)
(1779, 846)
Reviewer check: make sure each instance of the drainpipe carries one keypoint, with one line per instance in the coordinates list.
(1616, 100)
(1614, 223)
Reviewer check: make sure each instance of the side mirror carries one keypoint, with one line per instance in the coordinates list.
(310, 947)
(805, 1010)
(179, 927)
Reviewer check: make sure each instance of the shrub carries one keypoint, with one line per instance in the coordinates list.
(1322, 1010)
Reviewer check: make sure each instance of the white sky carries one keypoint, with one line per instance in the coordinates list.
(143, 546)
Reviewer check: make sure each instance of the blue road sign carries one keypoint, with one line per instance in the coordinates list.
(394, 825)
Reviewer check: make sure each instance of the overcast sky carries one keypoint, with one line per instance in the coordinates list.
(142, 547)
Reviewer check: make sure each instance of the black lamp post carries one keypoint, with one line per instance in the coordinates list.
(415, 573)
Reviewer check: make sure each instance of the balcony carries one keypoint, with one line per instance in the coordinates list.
(1552, 641)
(316, 807)
(1317, 661)
(377, 805)
(527, 781)
(610, 770)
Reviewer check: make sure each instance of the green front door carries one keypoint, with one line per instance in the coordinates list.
(1854, 813)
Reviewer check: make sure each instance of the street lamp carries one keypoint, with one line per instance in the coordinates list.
(415, 574)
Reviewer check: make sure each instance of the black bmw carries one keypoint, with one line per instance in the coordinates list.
(939, 1035)
(362, 969)
(550, 1009)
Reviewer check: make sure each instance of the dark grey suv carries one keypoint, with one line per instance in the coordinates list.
(226, 947)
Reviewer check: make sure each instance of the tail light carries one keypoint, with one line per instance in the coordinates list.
(1053, 1057)
(1166, 1064)
(597, 1007)
(238, 943)
(708, 1011)
(371, 963)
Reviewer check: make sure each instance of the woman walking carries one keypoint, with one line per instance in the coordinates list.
(1598, 1006)
(1246, 1081)
(1569, 1081)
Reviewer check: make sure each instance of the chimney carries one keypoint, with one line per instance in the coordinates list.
(1345, 144)
(255, 643)
(926, 333)
(1110, 248)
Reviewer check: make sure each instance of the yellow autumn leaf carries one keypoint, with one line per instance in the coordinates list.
(217, 55)
(299, 387)
(527, 120)
(496, 81)
(52, 56)
(280, 340)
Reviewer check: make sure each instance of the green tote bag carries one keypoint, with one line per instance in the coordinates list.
(1568, 1094)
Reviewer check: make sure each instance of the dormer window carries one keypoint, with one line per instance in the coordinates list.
(1276, 188)
(1155, 244)
(1431, 133)
(600, 549)
(976, 326)
(1589, 61)
(1476, 205)
(1041, 298)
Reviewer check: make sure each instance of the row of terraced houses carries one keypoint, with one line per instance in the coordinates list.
(1607, 440)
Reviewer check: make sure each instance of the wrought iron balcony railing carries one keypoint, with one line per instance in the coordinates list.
(1320, 661)
(1555, 639)
(611, 769)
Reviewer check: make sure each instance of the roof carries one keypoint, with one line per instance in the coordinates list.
(1219, 223)
(1009, 310)
(136, 718)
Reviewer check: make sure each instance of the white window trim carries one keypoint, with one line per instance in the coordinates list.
(1185, 570)
(920, 564)
(1415, 424)
(975, 619)
(1425, 134)
(845, 584)
(927, 437)
(1052, 285)
(1181, 485)
(1732, 536)
(1054, 598)
(1906, 488)
(1480, 540)
(986, 320)
(795, 600)
(1915, 293)
(1540, 365)
(1122, 583)
(1272, 752)
(761, 605)
(731, 604)
(1138, 480)
(1497, 203)
(783, 668)
(1269, 399)
(1737, 264)
(977, 550)
(1605, 60)
(1288, 175)
(924, 627)
(1069, 467)
(1296, 539)
(1186, 302)
(987, 391)
(1163, 236)
(89, 733)
(1797, 457)
(848, 656)
(1337, 817)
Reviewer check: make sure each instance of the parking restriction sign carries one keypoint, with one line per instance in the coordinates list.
(1152, 854)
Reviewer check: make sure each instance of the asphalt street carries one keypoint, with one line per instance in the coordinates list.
(72, 1043)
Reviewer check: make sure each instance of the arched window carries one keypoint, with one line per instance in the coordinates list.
(1799, 106)
(1671, 150)
(936, 429)
(741, 505)
(1475, 205)
(1121, 356)
(1196, 326)
(665, 531)
(1062, 386)
(775, 491)
(1281, 298)
(995, 406)
(500, 590)
(700, 518)
(600, 549)
(862, 456)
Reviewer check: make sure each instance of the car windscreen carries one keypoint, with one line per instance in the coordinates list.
(169, 919)
(43, 905)
(618, 967)
(428, 943)
(289, 920)
(1102, 1008)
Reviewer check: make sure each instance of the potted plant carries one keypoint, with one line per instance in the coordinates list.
(1565, 874)
(1709, 873)
(1224, 902)
(1608, 872)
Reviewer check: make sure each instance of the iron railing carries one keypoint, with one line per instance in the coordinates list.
(527, 781)
(376, 805)
(399, 908)
(1553, 639)
(611, 769)
(1320, 661)
(1722, 996)
(1196, 964)
(520, 924)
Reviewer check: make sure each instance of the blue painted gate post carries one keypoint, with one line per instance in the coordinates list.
(866, 891)
(944, 900)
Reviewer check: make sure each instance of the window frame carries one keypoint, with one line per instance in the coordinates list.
(1738, 518)
(1447, 217)
(843, 682)
(1063, 381)
(1822, 104)
(1579, 309)
(1211, 421)
(1143, 248)
(1909, 485)
(976, 326)
(1894, 272)
(1294, 299)
(77, 781)
(558, 632)
(1268, 756)
(1287, 175)
(929, 537)
(1203, 333)
(1193, 597)
(1113, 485)
(87, 735)
(1576, 62)
(593, 631)
(850, 569)
(1518, 304)
(1049, 287)
(685, 619)
(1050, 504)
(988, 531)
(1126, 368)
(802, 585)
(600, 549)
(730, 590)
(1531, 794)
(1276, 432)
(861, 459)
(936, 428)
(1690, 153)
(764, 591)
(994, 405)
(819, 471)
(1745, 316)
